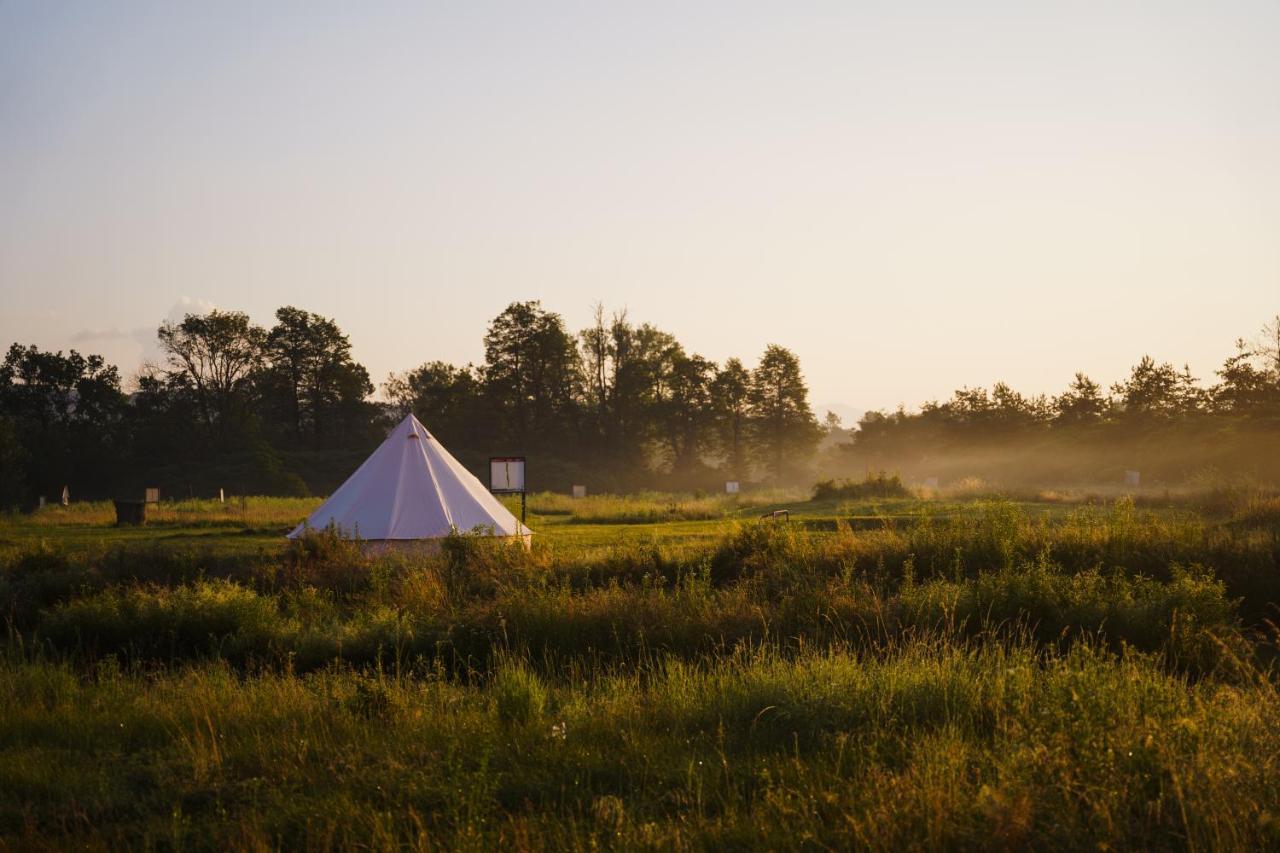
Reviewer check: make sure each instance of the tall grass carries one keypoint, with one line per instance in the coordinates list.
(924, 744)
(992, 677)
(466, 605)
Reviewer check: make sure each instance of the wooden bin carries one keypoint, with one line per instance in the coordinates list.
(131, 512)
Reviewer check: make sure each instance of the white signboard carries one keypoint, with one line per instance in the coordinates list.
(506, 474)
(931, 482)
(731, 487)
(1132, 478)
(579, 491)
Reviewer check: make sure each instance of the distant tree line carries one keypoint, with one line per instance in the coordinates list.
(1160, 418)
(617, 406)
(287, 410)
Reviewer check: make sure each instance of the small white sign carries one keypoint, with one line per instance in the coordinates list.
(731, 487)
(931, 482)
(1132, 478)
(579, 491)
(506, 474)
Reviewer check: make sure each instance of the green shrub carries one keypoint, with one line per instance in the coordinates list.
(519, 697)
(877, 485)
(205, 618)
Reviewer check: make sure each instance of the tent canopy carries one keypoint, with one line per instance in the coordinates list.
(411, 488)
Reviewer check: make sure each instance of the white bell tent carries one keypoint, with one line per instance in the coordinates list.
(409, 490)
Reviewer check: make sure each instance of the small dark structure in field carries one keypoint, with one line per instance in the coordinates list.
(131, 512)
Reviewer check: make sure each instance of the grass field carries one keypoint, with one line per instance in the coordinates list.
(660, 671)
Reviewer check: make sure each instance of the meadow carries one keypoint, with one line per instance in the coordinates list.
(884, 670)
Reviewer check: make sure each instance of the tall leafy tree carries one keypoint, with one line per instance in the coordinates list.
(213, 358)
(786, 432)
(445, 398)
(1082, 403)
(1157, 391)
(683, 408)
(597, 358)
(731, 410)
(642, 356)
(1249, 385)
(531, 373)
(66, 411)
(630, 377)
(310, 380)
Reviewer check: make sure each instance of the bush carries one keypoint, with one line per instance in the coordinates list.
(878, 485)
(518, 695)
(324, 558)
(205, 618)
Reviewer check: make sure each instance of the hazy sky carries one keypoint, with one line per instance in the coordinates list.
(913, 197)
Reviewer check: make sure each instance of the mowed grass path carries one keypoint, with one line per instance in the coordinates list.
(242, 525)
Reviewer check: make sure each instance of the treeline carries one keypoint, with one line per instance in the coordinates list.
(1160, 421)
(616, 406)
(287, 410)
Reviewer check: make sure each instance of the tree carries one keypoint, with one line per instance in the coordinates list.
(785, 429)
(445, 398)
(1267, 348)
(1081, 403)
(1248, 386)
(66, 413)
(1158, 391)
(683, 407)
(731, 409)
(310, 381)
(13, 464)
(597, 353)
(642, 357)
(531, 373)
(213, 357)
(1011, 411)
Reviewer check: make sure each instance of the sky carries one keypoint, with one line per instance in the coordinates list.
(913, 197)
